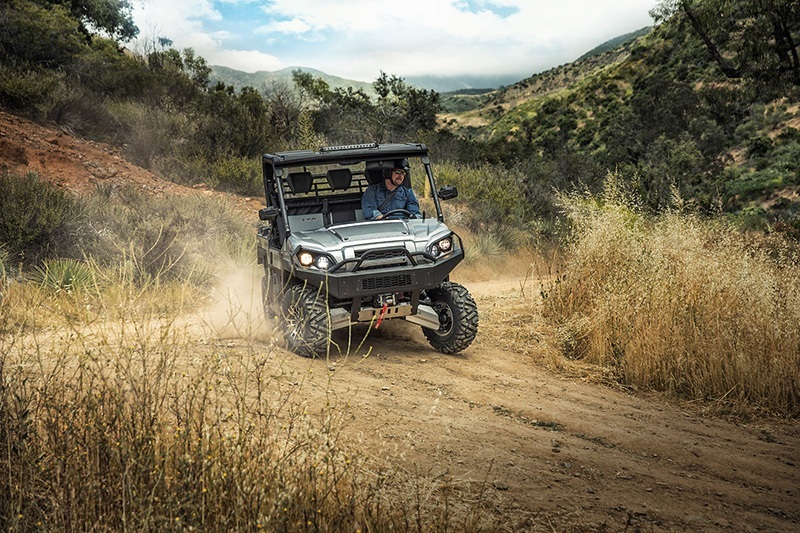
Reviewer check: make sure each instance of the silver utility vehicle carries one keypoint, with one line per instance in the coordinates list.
(326, 267)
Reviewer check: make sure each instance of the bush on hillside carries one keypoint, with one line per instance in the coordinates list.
(44, 36)
(182, 238)
(36, 218)
(63, 275)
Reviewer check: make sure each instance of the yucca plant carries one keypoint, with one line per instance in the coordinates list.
(64, 275)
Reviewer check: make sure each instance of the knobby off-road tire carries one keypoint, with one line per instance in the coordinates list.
(458, 318)
(306, 324)
(271, 293)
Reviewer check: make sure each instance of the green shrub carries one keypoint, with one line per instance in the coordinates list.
(64, 275)
(789, 134)
(80, 111)
(754, 183)
(27, 89)
(497, 194)
(35, 217)
(759, 146)
(237, 174)
(148, 240)
(153, 136)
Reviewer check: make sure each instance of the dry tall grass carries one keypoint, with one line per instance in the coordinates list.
(679, 304)
(114, 417)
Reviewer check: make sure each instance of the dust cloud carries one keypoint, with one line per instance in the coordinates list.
(235, 311)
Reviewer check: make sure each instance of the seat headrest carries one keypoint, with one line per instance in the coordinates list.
(339, 178)
(377, 171)
(374, 171)
(300, 182)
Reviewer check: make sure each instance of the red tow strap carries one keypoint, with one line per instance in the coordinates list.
(380, 318)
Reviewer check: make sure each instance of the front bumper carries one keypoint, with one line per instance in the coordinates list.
(356, 285)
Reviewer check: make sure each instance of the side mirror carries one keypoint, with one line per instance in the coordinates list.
(448, 192)
(268, 213)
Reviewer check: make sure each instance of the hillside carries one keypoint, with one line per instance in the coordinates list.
(659, 108)
(484, 109)
(79, 165)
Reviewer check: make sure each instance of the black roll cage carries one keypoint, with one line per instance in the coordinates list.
(277, 166)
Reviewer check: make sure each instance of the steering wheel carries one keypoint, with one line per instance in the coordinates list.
(407, 213)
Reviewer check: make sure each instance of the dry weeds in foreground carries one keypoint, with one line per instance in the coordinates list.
(111, 418)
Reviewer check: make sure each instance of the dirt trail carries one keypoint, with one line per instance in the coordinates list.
(571, 454)
(567, 453)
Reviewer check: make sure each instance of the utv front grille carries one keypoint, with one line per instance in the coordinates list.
(381, 254)
(371, 259)
(396, 281)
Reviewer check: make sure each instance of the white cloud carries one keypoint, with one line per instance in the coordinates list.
(178, 20)
(245, 60)
(295, 26)
(182, 21)
(359, 38)
(442, 36)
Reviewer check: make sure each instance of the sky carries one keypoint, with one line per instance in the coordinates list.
(359, 39)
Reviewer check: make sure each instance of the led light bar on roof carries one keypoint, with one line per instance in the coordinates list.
(348, 147)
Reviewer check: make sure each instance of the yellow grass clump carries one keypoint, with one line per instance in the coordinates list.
(679, 304)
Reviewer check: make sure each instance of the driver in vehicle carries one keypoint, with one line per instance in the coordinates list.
(390, 195)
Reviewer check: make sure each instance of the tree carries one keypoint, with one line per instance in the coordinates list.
(306, 137)
(350, 115)
(195, 66)
(38, 35)
(110, 16)
(754, 39)
(411, 109)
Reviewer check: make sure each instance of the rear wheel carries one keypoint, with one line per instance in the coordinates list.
(458, 318)
(306, 324)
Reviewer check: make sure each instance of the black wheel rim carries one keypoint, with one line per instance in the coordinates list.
(445, 318)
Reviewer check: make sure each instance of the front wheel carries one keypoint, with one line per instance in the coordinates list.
(306, 324)
(458, 318)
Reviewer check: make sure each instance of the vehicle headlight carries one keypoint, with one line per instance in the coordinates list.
(442, 246)
(305, 258)
(320, 261)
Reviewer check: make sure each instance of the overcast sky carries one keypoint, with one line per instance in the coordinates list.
(356, 39)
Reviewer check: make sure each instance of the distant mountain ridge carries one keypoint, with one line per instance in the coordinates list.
(440, 83)
(264, 79)
(444, 84)
(616, 42)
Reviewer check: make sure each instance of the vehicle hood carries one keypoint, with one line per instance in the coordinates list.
(372, 231)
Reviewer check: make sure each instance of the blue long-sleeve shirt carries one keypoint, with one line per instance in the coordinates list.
(375, 195)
